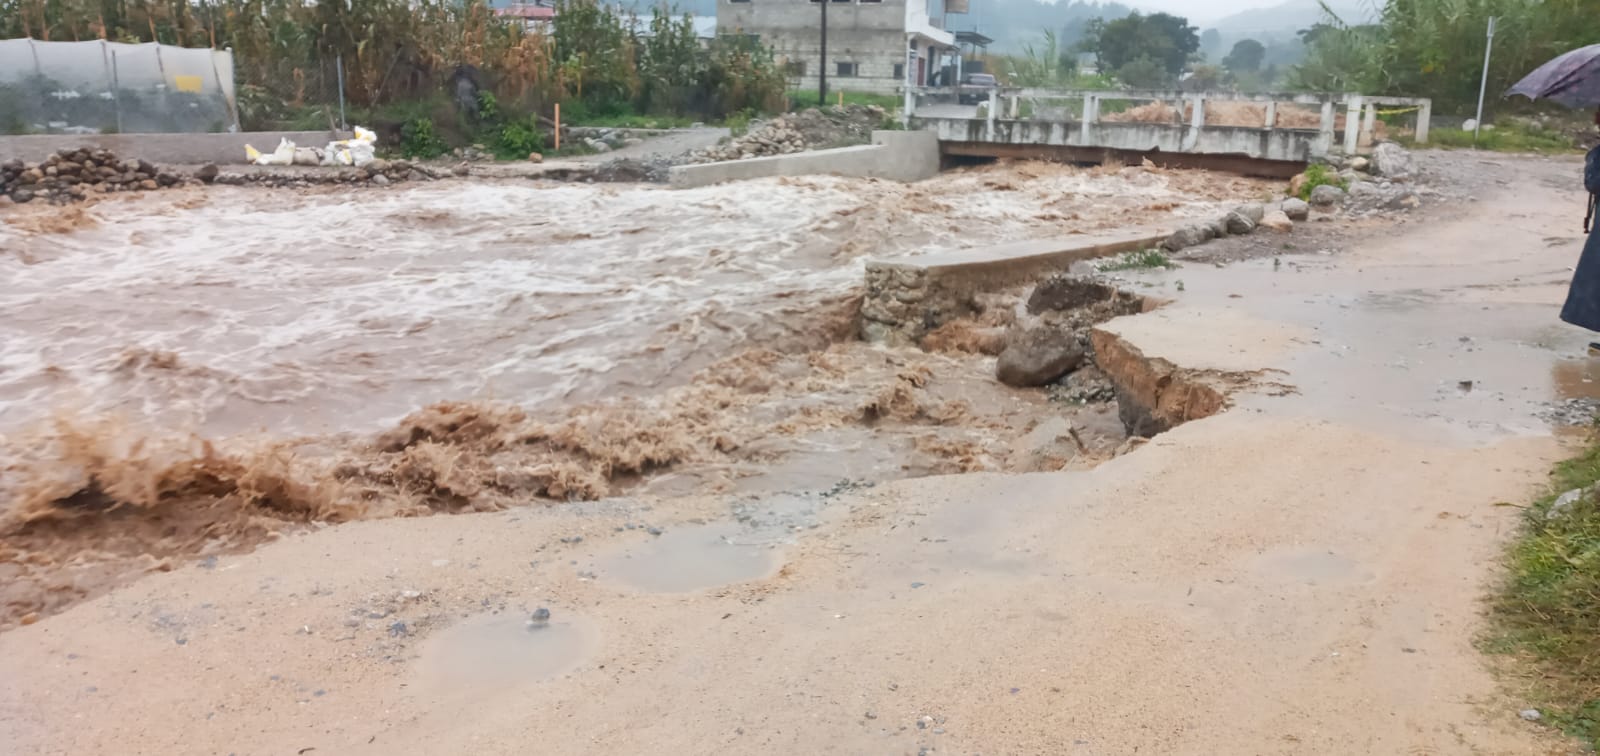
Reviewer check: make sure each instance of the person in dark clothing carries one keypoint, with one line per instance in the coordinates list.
(1583, 298)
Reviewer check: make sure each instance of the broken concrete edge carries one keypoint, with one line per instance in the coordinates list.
(907, 297)
(1154, 395)
(895, 155)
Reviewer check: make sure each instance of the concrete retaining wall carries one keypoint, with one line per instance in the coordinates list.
(909, 296)
(1299, 145)
(895, 155)
(161, 148)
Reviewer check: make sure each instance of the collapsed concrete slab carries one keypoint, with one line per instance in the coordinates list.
(909, 296)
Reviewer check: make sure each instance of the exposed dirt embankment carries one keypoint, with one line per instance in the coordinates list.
(1154, 395)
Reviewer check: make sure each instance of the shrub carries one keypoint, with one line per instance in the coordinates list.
(418, 140)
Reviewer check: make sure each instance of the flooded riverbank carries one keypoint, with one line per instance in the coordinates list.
(187, 373)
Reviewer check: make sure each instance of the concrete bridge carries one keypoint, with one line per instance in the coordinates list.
(1273, 134)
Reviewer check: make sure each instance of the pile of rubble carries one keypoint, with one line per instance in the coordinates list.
(1366, 186)
(378, 172)
(795, 132)
(70, 176)
(601, 139)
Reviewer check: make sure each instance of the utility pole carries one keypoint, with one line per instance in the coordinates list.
(822, 59)
(1484, 87)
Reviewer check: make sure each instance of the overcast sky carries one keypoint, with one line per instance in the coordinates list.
(1202, 12)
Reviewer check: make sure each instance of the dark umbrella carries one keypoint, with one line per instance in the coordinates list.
(1572, 79)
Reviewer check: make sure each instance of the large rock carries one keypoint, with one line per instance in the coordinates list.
(1360, 164)
(207, 172)
(1366, 190)
(1297, 209)
(1186, 238)
(1392, 160)
(1239, 223)
(1065, 292)
(1218, 227)
(1255, 211)
(1327, 195)
(1278, 221)
(1038, 356)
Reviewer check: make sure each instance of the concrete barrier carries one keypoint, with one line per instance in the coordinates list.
(909, 296)
(161, 148)
(895, 155)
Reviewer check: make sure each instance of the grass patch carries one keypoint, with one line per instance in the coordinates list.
(1546, 613)
(1317, 175)
(1504, 138)
(800, 99)
(1143, 259)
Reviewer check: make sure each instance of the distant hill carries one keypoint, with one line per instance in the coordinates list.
(1288, 17)
(1013, 24)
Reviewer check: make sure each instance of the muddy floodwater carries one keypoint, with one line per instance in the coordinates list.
(188, 371)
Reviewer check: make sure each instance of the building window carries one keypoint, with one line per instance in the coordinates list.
(845, 69)
(794, 68)
(900, 71)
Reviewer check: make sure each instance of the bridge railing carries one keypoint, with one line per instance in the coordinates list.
(1194, 111)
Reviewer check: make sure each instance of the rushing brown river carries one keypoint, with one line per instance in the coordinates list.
(275, 350)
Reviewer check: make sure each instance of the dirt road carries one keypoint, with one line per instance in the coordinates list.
(1299, 574)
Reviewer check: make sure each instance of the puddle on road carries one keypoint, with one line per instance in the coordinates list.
(692, 558)
(497, 651)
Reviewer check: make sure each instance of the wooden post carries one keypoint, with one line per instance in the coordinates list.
(558, 127)
(1272, 115)
(1424, 118)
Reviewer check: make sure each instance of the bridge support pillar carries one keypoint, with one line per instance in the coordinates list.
(1197, 121)
(1352, 123)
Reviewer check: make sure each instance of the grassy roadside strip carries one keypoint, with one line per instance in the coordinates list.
(1546, 613)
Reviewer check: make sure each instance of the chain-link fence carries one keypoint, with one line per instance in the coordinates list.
(103, 87)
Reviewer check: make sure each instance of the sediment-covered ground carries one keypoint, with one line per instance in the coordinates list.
(189, 373)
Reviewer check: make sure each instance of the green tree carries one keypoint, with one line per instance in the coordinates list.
(1165, 40)
(1143, 73)
(1435, 48)
(1246, 56)
(1204, 79)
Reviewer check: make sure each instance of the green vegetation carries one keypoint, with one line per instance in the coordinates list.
(418, 140)
(1317, 175)
(1506, 137)
(420, 66)
(1547, 611)
(1434, 48)
(1140, 260)
(799, 99)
